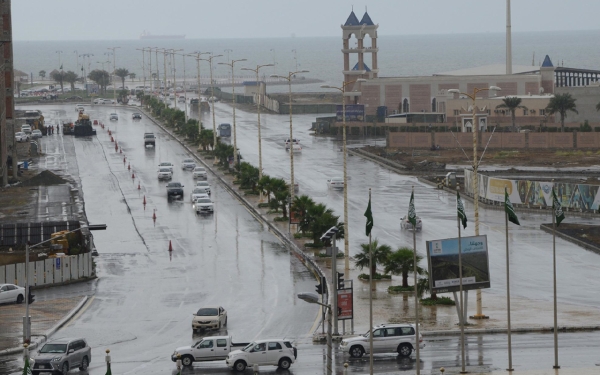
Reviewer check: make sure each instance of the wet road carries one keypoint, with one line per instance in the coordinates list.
(530, 248)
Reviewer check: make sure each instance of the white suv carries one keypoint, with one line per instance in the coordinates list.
(277, 352)
(387, 338)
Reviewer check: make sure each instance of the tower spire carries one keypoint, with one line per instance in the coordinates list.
(508, 40)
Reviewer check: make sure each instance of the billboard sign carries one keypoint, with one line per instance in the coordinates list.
(344, 304)
(442, 257)
(354, 112)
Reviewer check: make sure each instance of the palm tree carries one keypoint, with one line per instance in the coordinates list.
(264, 184)
(59, 77)
(512, 103)
(122, 73)
(401, 262)
(42, 74)
(320, 219)
(71, 77)
(300, 207)
(380, 255)
(281, 192)
(561, 104)
(131, 76)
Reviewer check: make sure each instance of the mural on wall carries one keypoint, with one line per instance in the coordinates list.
(536, 193)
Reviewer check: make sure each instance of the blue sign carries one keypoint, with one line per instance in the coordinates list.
(354, 112)
(57, 263)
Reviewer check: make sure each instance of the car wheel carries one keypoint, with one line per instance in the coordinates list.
(84, 364)
(356, 351)
(187, 360)
(240, 366)
(65, 368)
(20, 298)
(285, 363)
(404, 350)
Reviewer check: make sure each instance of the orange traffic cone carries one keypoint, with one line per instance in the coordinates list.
(140, 188)
(132, 175)
(170, 246)
(144, 201)
(128, 166)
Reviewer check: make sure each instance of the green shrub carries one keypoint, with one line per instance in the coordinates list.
(324, 255)
(297, 235)
(314, 245)
(281, 218)
(400, 289)
(263, 205)
(445, 301)
(377, 276)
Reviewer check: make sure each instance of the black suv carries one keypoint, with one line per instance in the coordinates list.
(137, 116)
(174, 190)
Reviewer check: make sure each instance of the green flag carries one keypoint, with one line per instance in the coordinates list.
(369, 216)
(27, 367)
(557, 208)
(412, 215)
(460, 208)
(61, 68)
(510, 211)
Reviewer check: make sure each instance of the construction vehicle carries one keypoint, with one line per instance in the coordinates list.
(33, 118)
(80, 128)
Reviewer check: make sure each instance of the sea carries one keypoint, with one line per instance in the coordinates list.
(399, 55)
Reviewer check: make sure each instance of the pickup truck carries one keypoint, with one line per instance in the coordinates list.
(213, 348)
(149, 139)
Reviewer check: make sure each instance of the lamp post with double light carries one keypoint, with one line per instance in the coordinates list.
(258, 104)
(289, 79)
(212, 99)
(313, 298)
(346, 231)
(26, 320)
(197, 55)
(235, 150)
(475, 181)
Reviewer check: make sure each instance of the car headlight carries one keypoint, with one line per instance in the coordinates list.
(56, 359)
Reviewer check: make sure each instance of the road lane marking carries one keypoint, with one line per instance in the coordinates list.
(83, 309)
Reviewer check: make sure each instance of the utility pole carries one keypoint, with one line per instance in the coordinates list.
(114, 69)
(212, 94)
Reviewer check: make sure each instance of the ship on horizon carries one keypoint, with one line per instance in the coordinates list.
(147, 35)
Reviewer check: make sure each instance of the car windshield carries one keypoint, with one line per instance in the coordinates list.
(202, 183)
(198, 191)
(249, 347)
(188, 161)
(165, 170)
(54, 348)
(173, 184)
(208, 312)
(113, 114)
(199, 169)
(203, 200)
(166, 164)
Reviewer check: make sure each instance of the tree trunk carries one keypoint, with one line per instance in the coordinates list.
(512, 115)
(404, 279)
(562, 123)
(374, 269)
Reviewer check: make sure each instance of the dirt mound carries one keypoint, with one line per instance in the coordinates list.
(44, 178)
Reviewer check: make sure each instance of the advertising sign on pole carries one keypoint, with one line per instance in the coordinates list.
(354, 112)
(344, 305)
(442, 258)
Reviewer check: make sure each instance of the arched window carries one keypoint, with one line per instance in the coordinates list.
(405, 106)
(433, 105)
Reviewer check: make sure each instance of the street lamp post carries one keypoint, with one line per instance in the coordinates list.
(258, 104)
(197, 56)
(114, 69)
(59, 59)
(212, 94)
(26, 322)
(313, 298)
(235, 150)
(346, 230)
(289, 79)
(475, 181)
(184, 89)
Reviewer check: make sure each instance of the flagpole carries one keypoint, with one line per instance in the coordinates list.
(556, 366)
(370, 299)
(510, 367)
(461, 318)
(417, 339)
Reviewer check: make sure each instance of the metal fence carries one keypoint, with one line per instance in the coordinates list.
(49, 271)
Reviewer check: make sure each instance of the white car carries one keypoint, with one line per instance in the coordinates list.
(276, 352)
(296, 148)
(166, 164)
(200, 172)
(165, 174)
(108, 101)
(211, 317)
(198, 193)
(79, 108)
(405, 224)
(21, 137)
(204, 186)
(10, 293)
(188, 164)
(98, 101)
(336, 182)
(204, 206)
(294, 141)
(36, 133)
(114, 116)
(181, 99)
(387, 338)
(26, 129)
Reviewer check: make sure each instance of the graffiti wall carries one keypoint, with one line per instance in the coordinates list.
(536, 193)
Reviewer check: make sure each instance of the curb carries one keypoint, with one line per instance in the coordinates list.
(587, 246)
(305, 258)
(51, 331)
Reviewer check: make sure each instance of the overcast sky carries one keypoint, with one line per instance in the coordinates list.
(126, 19)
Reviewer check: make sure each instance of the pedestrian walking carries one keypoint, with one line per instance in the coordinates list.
(58, 128)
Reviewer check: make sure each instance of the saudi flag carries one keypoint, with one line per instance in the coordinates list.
(460, 208)
(108, 372)
(369, 216)
(510, 211)
(412, 215)
(27, 367)
(556, 207)
(61, 67)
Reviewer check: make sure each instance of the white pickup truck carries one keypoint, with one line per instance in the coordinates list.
(213, 348)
